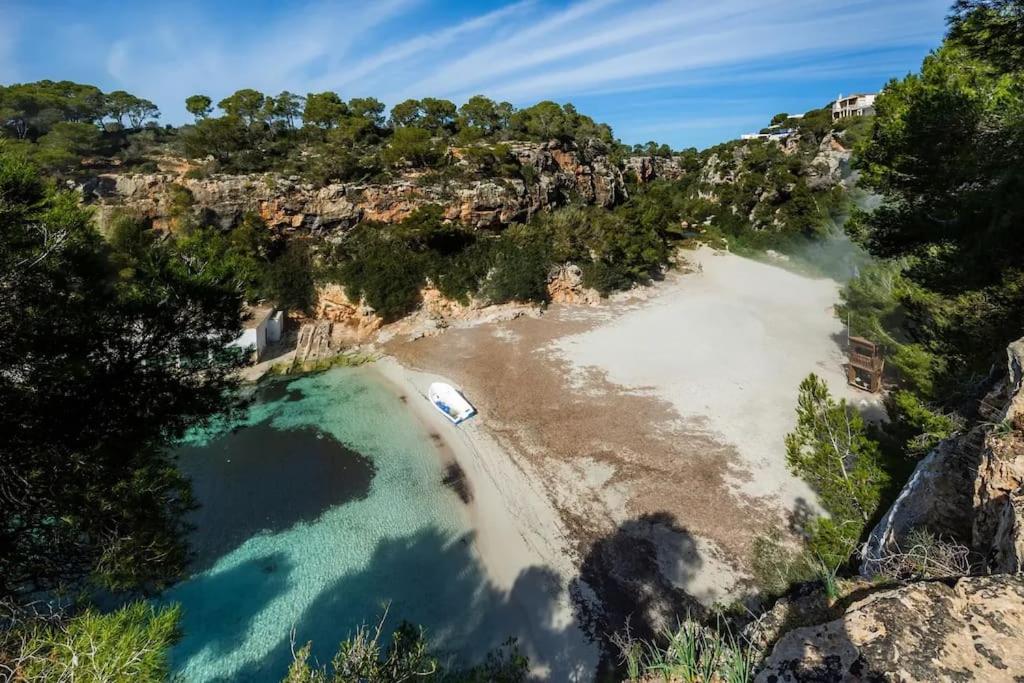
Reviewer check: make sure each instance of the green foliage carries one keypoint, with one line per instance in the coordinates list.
(364, 656)
(917, 426)
(323, 110)
(548, 121)
(199, 106)
(777, 566)
(830, 450)
(381, 269)
(946, 154)
(413, 146)
(521, 262)
(990, 30)
(290, 278)
(129, 645)
(689, 653)
(111, 357)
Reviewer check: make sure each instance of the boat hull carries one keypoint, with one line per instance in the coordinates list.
(450, 402)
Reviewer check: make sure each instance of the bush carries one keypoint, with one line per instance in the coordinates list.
(290, 281)
(521, 261)
(363, 656)
(380, 268)
(128, 645)
(831, 451)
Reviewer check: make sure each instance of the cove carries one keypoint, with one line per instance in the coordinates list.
(320, 506)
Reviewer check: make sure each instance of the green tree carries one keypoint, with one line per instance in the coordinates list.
(480, 114)
(991, 30)
(118, 103)
(323, 110)
(438, 115)
(830, 450)
(61, 149)
(286, 108)
(246, 104)
(406, 114)
(414, 146)
(368, 108)
(290, 279)
(947, 155)
(106, 367)
(199, 106)
(140, 110)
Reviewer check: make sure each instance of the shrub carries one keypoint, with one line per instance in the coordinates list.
(521, 261)
(128, 645)
(381, 268)
(831, 451)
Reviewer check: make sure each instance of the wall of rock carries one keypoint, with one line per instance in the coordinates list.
(968, 630)
(560, 172)
(970, 488)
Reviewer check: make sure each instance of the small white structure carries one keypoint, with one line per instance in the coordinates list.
(450, 402)
(263, 326)
(774, 133)
(853, 105)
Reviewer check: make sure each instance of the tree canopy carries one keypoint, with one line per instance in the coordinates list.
(108, 355)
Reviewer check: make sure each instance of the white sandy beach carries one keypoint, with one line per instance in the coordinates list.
(657, 418)
(516, 527)
(727, 346)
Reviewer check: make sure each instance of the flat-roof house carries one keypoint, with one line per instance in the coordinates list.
(853, 105)
(263, 325)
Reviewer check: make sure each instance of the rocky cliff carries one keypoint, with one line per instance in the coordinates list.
(970, 489)
(966, 630)
(557, 172)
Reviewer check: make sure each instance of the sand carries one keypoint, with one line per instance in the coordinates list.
(637, 446)
(517, 530)
(727, 346)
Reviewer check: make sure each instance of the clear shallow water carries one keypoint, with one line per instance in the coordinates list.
(324, 503)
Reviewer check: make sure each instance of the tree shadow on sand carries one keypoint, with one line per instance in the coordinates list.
(637, 575)
(464, 612)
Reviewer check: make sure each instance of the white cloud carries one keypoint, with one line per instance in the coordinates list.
(522, 50)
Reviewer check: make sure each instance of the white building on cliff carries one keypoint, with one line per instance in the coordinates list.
(853, 105)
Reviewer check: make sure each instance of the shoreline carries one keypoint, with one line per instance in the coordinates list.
(516, 529)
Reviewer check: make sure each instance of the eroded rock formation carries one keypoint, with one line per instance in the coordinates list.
(558, 172)
(926, 631)
(970, 487)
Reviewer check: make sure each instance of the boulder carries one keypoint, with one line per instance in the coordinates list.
(926, 631)
(565, 285)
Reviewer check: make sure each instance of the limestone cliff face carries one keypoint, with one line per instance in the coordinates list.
(559, 172)
(971, 487)
(926, 631)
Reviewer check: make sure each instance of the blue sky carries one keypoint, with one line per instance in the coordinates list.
(685, 72)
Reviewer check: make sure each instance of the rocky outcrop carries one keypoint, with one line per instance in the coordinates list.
(559, 172)
(926, 631)
(830, 165)
(353, 321)
(969, 488)
(647, 169)
(565, 286)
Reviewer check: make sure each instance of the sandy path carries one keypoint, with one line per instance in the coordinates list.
(651, 425)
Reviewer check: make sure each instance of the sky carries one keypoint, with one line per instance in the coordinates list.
(683, 72)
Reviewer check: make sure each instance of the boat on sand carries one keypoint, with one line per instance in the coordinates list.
(450, 402)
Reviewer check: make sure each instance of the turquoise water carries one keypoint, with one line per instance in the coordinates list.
(320, 506)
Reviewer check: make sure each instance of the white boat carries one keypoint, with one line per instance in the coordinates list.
(450, 402)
